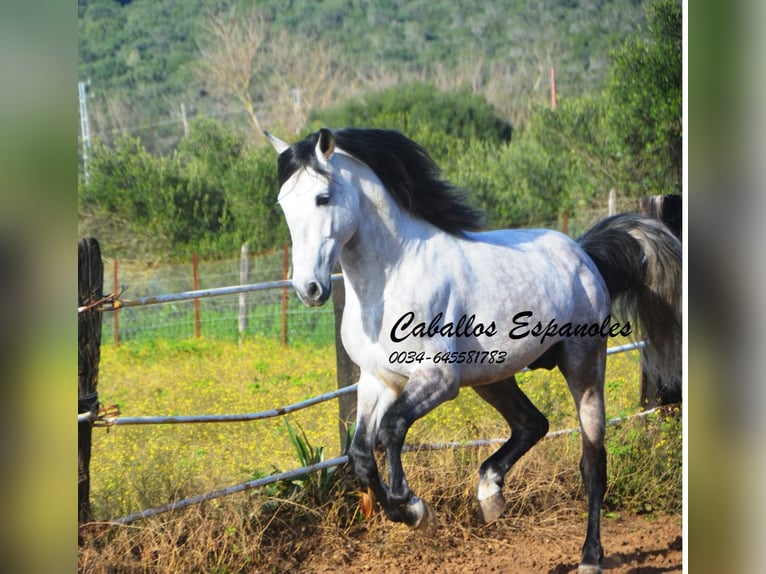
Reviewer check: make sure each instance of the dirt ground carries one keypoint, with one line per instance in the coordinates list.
(633, 544)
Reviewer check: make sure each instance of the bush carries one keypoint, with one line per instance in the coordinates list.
(418, 106)
(644, 96)
(209, 196)
(123, 181)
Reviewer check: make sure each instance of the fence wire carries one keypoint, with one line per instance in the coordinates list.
(218, 316)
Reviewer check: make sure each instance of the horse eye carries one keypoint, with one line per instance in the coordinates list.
(323, 199)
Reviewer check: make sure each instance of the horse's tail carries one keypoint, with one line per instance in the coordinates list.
(640, 261)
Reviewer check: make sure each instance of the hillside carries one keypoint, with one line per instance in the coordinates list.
(142, 57)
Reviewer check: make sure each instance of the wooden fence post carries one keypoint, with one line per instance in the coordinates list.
(347, 371)
(666, 208)
(243, 280)
(90, 284)
(116, 312)
(554, 95)
(285, 272)
(195, 273)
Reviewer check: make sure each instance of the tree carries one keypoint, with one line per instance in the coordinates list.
(644, 99)
(229, 56)
(288, 75)
(307, 74)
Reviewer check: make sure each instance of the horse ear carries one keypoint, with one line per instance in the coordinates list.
(278, 144)
(326, 145)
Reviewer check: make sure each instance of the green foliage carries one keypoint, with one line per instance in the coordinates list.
(209, 196)
(518, 183)
(123, 180)
(142, 55)
(314, 485)
(561, 162)
(515, 184)
(212, 144)
(251, 192)
(419, 106)
(645, 464)
(213, 193)
(644, 96)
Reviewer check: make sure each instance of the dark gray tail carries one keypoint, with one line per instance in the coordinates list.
(640, 261)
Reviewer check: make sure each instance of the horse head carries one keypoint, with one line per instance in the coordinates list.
(320, 209)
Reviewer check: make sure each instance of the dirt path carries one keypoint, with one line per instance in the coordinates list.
(633, 544)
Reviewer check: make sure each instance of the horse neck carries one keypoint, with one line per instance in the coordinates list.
(384, 235)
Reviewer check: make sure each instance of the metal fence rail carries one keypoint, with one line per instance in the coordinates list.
(112, 303)
(108, 420)
(186, 419)
(337, 461)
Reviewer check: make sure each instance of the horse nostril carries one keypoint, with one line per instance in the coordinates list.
(313, 290)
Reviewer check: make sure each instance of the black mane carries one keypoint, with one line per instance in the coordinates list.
(298, 156)
(404, 167)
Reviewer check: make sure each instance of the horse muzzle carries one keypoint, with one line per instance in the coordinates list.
(313, 293)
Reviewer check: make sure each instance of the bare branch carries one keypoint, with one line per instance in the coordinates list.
(305, 75)
(229, 56)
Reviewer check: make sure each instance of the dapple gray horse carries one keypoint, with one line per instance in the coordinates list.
(434, 304)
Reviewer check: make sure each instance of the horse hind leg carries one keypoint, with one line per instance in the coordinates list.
(583, 369)
(528, 425)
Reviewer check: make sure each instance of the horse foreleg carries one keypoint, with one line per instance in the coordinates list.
(373, 399)
(424, 391)
(528, 425)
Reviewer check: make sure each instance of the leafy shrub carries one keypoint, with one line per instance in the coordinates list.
(417, 106)
(644, 96)
(645, 464)
(210, 196)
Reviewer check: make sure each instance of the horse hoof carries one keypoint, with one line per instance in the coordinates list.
(491, 508)
(588, 569)
(426, 522)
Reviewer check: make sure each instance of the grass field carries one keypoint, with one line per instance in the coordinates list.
(138, 467)
(134, 467)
